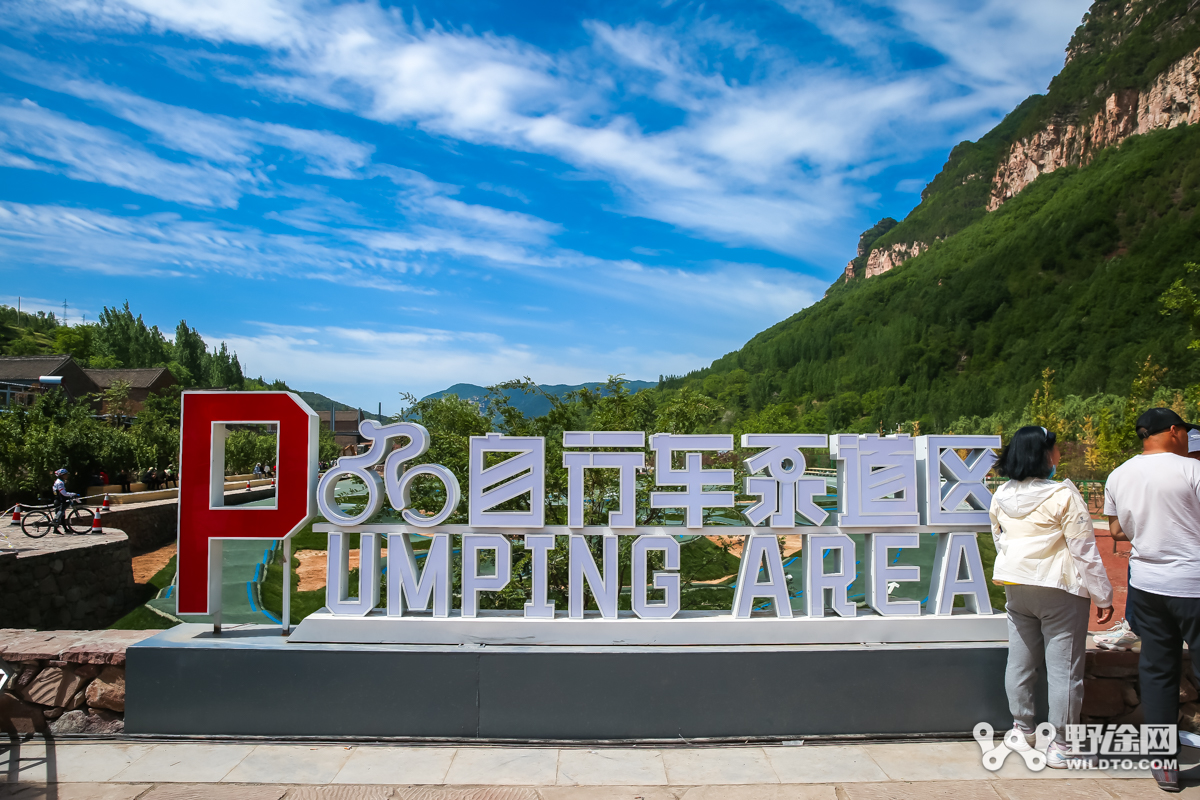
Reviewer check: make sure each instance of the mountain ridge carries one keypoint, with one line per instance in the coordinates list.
(531, 405)
(1131, 68)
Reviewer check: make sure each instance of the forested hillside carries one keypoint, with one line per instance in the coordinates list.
(1067, 273)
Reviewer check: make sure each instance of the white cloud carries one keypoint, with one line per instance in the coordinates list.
(33, 137)
(376, 364)
(214, 137)
(747, 297)
(767, 161)
(164, 245)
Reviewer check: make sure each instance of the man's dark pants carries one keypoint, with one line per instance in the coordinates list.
(1164, 623)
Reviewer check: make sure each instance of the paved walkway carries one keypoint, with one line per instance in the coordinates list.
(148, 770)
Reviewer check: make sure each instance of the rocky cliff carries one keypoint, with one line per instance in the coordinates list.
(1172, 99)
(1132, 67)
(882, 259)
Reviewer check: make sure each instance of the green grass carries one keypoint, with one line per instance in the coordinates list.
(987, 554)
(162, 579)
(142, 619)
(303, 603)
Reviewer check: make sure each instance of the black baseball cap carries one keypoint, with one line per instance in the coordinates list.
(1157, 420)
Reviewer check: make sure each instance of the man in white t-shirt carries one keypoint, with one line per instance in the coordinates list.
(1153, 502)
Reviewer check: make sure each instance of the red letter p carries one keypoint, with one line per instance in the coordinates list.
(204, 520)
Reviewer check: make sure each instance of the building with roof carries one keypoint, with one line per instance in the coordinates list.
(344, 425)
(20, 378)
(142, 382)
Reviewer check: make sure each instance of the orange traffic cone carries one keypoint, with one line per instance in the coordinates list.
(96, 526)
(247, 486)
(17, 513)
(104, 505)
(272, 483)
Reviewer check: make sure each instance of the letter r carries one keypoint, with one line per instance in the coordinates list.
(203, 517)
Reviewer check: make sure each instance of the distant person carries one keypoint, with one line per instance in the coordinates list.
(62, 499)
(1047, 561)
(258, 471)
(1153, 502)
(123, 478)
(169, 476)
(103, 478)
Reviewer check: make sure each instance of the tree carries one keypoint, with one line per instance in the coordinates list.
(686, 412)
(190, 353)
(27, 344)
(56, 433)
(116, 402)
(1141, 392)
(1180, 298)
(76, 341)
(127, 339)
(1045, 409)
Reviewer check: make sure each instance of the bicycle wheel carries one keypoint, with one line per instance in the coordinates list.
(80, 519)
(36, 524)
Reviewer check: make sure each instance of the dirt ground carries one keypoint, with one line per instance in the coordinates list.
(311, 566)
(791, 543)
(147, 565)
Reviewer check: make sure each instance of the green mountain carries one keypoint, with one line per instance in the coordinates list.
(319, 402)
(531, 405)
(1047, 243)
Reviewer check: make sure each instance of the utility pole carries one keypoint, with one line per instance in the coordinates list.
(18, 311)
(64, 321)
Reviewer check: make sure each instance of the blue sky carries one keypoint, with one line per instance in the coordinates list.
(364, 199)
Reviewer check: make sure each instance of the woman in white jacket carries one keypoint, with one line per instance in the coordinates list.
(1047, 561)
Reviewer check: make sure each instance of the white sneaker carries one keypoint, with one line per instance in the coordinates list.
(1119, 637)
(1058, 756)
(1019, 739)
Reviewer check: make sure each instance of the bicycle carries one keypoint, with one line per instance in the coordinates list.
(39, 520)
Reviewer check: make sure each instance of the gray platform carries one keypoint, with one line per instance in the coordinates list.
(252, 682)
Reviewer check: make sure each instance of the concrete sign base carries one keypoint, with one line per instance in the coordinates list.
(686, 628)
(250, 681)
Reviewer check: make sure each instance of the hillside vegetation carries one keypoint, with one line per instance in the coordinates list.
(1068, 274)
(1120, 46)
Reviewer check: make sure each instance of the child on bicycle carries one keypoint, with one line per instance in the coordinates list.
(62, 499)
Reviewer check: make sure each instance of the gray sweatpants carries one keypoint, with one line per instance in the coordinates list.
(1046, 626)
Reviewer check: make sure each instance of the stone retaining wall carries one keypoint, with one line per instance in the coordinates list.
(1111, 690)
(67, 582)
(64, 682)
(148, 525)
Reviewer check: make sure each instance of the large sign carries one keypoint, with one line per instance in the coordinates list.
(893, 490)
